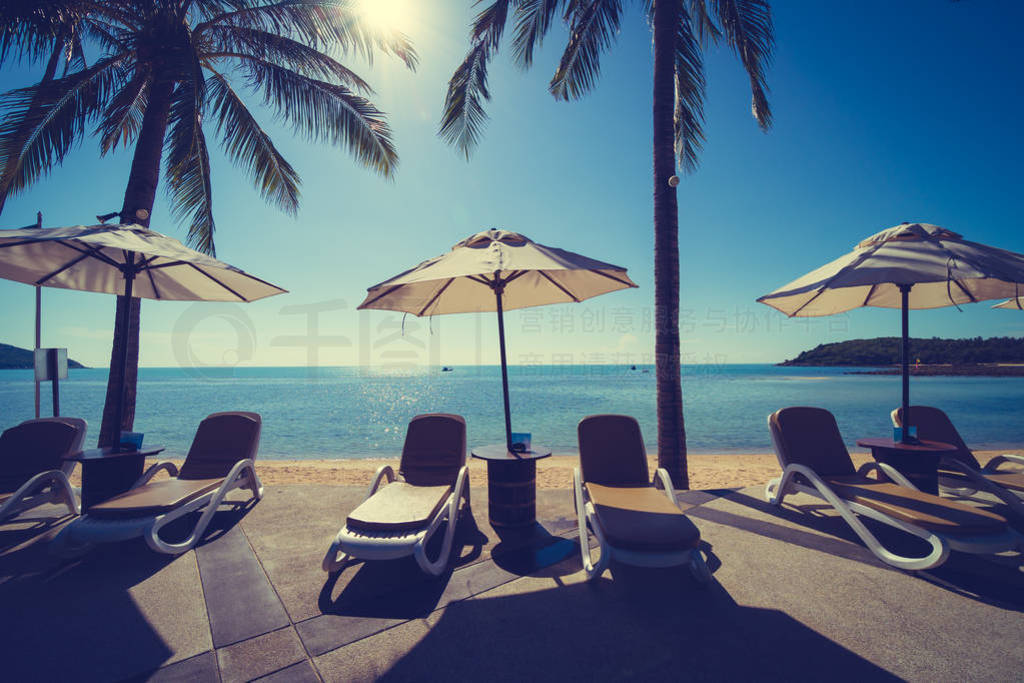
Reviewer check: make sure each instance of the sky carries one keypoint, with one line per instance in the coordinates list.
(883, 112)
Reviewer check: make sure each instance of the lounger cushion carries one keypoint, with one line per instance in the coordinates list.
(33, 447)
(155, 498)
(915, 507)
(810, 436)
(434, 450)
(641, 518)
(221, 440)
(612, 451)
(399, 506)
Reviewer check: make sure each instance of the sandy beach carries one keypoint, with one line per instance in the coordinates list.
(707, 471)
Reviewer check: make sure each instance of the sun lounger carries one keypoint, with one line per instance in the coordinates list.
(960, 473)
(399, 517)
(815, 461)
(633, 521)
(33, 471)
(219, 461)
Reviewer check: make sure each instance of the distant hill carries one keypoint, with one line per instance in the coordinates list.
(14, 358)
(886, 351)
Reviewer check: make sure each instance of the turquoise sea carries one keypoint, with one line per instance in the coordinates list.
(356, 412)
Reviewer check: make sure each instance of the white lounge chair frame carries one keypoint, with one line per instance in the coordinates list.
(351, 545)
(941, 544)
(1013, 499)
(81, 534)
(586, 518)
(51, 486)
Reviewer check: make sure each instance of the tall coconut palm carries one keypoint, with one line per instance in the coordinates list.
(168, 72)
(681, 30)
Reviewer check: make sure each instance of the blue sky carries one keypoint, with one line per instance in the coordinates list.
(884, 112)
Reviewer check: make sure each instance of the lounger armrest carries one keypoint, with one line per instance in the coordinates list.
(888, 472)
(461, 488)
(993, 464)
(662, 480)
(171, 468)
(384, 472)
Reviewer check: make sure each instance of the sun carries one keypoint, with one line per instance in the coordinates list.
(387, 15)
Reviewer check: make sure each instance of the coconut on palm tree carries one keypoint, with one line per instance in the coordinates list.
(681, 29)
(169, 72)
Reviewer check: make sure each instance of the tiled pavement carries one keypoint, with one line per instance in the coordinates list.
(795, 596)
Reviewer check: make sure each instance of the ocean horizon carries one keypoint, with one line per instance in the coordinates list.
(362, 412)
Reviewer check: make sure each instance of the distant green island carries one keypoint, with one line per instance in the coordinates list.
(1002, 356)
(15, 358)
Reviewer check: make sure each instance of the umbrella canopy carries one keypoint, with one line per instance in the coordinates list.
(1015, 304)
(531, 274)
(911, 265)
(496, 270)
(102, 258)
(943, 268)
(127, 260)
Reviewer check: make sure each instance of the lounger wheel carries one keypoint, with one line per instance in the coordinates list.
(699, 568)
(64, 546)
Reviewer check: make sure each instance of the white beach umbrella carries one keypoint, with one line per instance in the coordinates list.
(128, 260)
(911, 265)
(496, 270)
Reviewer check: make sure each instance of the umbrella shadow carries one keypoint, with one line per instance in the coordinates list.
(399, 589)
(989, 579)
(643, 623)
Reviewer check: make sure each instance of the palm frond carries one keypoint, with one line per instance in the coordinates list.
(320, 23)
(229, 40)
(747, 25)
(463, 117)
(248, 146)
(122, 118)
(188, 166)
(690, 89)
(594, 25)
(326, 112)
(41, 123)
(489, 24)
(706, 30)
(533, 20)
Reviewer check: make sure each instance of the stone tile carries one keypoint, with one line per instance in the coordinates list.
(240, 600)
(331, 631)
(199, 669)
(259, 656)
(371, 658)
(302, 672)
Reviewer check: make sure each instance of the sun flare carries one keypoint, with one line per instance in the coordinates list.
(387, 15)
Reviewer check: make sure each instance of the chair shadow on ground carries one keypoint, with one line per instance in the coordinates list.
(641, 623)
(990, 579)
(81, 608)
(399, 589)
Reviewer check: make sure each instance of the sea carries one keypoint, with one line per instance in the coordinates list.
(362, 412)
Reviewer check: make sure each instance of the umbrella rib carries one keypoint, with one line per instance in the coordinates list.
(871, 291)
(481, 280)
(95, 252)
(152, 282)
(435, 297)
(69, 264)
(365, 304)
(200, 270)
(564, 290)
(612, 277)
(514, 276)
(964, 290)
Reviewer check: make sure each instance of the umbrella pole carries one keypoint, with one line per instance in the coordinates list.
(905, 360)
(129, 279)
(498, 290)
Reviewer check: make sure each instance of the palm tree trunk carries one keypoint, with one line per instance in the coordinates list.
(14, 160)
(140, 194)
(671, 430)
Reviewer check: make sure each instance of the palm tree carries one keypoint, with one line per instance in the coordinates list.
(682, 29)
(168, 72)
